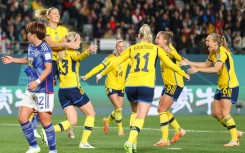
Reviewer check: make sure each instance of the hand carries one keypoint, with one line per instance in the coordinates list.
(187, 77)
(93, 48)
(167, 49)
(33, 85)
(184, 62)
(83, 78)
(98, 77)
(7, 59)
(192, 70)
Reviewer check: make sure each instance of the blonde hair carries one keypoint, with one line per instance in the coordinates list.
(220, 40)
(167, 35)
(69, 37)
(117, 42)
(42, 14)
(145, 33)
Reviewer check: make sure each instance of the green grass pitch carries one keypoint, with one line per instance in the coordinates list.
(204, 135)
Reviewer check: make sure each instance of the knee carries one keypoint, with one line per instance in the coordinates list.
(73, 122)
(21, 120)
(216, 115)
(91, 113)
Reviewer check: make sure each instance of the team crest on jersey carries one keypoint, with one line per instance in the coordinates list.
(36, 53)
(30, 60)
(218, 56)
(57, 37)
(119, 67)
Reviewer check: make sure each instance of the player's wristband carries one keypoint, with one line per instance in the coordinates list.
(98, 76)
(38, 81)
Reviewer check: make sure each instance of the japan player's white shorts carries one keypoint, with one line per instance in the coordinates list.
(40, 102)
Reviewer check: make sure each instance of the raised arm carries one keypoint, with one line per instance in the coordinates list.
(113, 65)
(93, 71)
(85, 54)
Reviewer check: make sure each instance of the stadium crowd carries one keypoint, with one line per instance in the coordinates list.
(190, 20)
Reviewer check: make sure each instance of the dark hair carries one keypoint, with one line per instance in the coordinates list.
(37, 28)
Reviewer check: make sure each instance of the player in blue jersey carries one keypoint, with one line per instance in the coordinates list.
(39, 95)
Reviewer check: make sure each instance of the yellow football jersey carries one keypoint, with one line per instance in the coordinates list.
(226, 76)
(116, 78)
(69, 68)
(143, 57)
(169, 76)
(57, 35)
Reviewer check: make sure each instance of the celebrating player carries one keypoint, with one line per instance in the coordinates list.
(115, 83)
(140, 82)
(228, 86)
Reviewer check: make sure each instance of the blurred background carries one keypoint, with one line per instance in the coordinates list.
(102, 22)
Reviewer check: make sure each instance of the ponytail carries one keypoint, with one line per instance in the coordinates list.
(220, 40)
(43, 14)
(224, 43)
(145, 33)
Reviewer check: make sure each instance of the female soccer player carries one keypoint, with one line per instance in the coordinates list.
(173, 85)
(115, 83)
(54, 37)
(140, 82)
(39, 95)
(228, 86)
(71, 94)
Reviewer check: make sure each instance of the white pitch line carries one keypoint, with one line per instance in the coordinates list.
(150, 129)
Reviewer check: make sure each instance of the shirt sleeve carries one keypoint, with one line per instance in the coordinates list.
(221, 56)
(124, 56)
(76, 56)
(94, 70)
(165, 59)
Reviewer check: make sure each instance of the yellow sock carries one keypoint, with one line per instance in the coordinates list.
(88, 127)
(173, 122)
(62, 126)
(164, 125)
(111, 117)
(132, 119)
(135, 130)
(118, 117)
(222, 121)
(231, 126)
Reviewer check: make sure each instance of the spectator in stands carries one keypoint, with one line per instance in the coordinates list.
(89, 12)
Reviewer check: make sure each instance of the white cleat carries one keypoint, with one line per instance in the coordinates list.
(36, 134)
(34, 149)
(134, 148)
(53, 151)
(239, 135)
(43, 137)
(232, 143)
(85, 145)
(70, 133)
